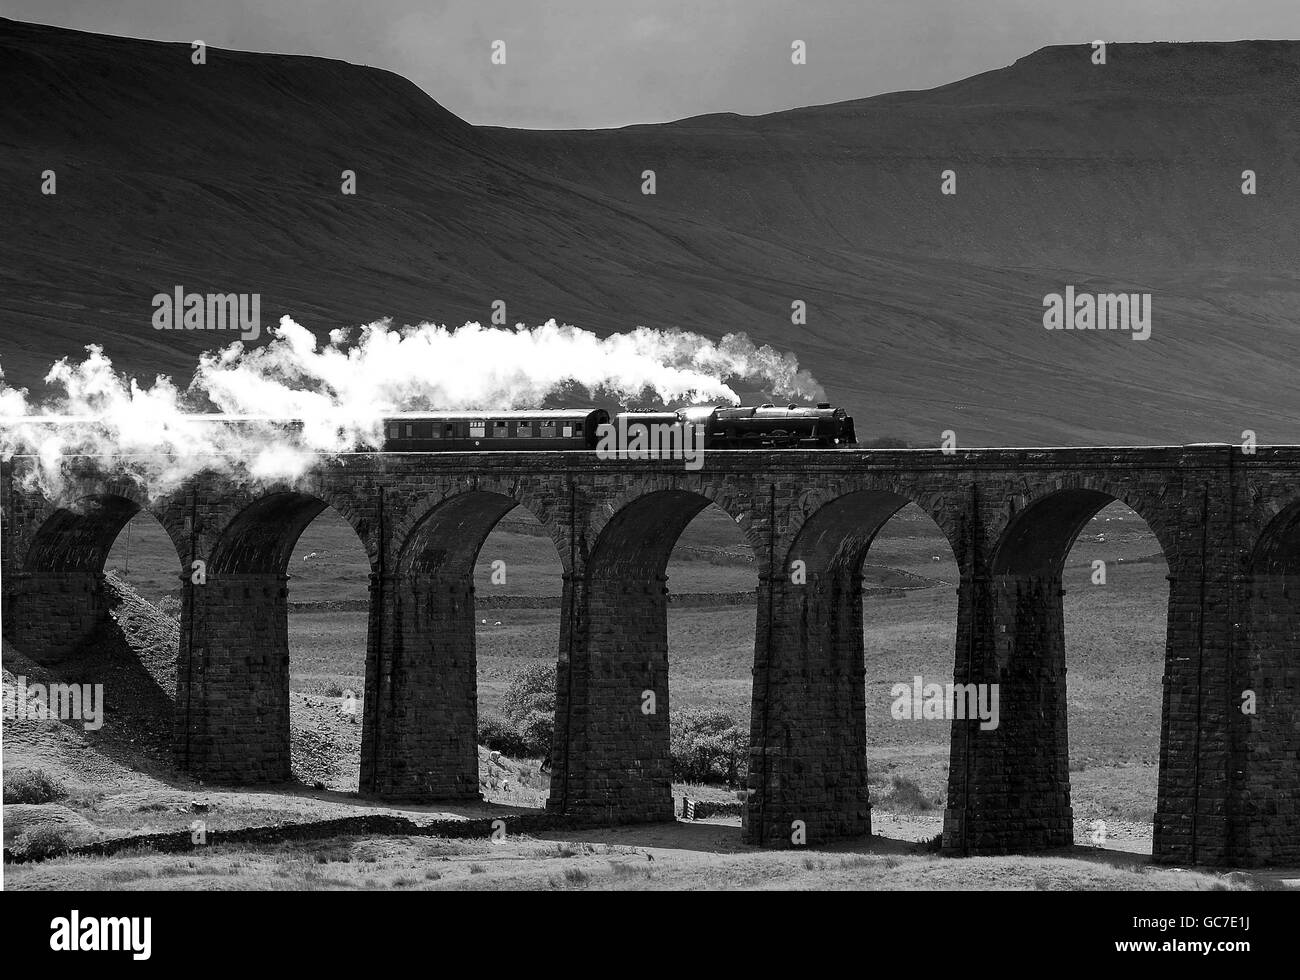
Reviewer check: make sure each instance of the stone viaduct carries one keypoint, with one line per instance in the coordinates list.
(1227, 522)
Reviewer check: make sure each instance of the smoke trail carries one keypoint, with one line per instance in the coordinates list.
(341, 392)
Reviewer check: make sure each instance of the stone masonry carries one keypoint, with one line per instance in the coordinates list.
(1228, 524)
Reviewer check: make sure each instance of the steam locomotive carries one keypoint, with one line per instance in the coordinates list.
(723, 427)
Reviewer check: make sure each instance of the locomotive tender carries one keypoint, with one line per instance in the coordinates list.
(722, 427)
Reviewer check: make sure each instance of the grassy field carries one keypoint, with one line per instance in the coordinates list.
(695, 856)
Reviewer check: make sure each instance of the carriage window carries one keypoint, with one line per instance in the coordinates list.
(548, 430)
(435, 432)
(525, 430)
(393, 430)
(451, 431)
(410, 430)
(477, 429)
(568, 432)
(500, 430)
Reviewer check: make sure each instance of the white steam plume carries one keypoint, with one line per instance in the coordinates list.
(341, 392)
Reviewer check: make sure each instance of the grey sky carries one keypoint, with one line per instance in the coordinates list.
(588, 63)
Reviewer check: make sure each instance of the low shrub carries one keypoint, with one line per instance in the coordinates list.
(502, 735)
(325, 688)
(536, 730)
(906, 795)
(42, 842)
(32, 786)
(708, 745)
(529, 704)
(532, 688)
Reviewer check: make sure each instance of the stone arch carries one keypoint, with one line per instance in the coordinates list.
(259, 538)
(444, 536)
(1022, 766)
(1276, 550)
(731, 500)
(1042, 528)
(611, 748)
(1268, 771)
(58, 600)
(421, 712)
(540, 500)
(808, 729)
(634, 545)
(834, 538)
(826, 514)
(78, 535)
(233, 697)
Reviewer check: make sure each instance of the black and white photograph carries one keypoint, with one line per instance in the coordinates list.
(590, 446)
